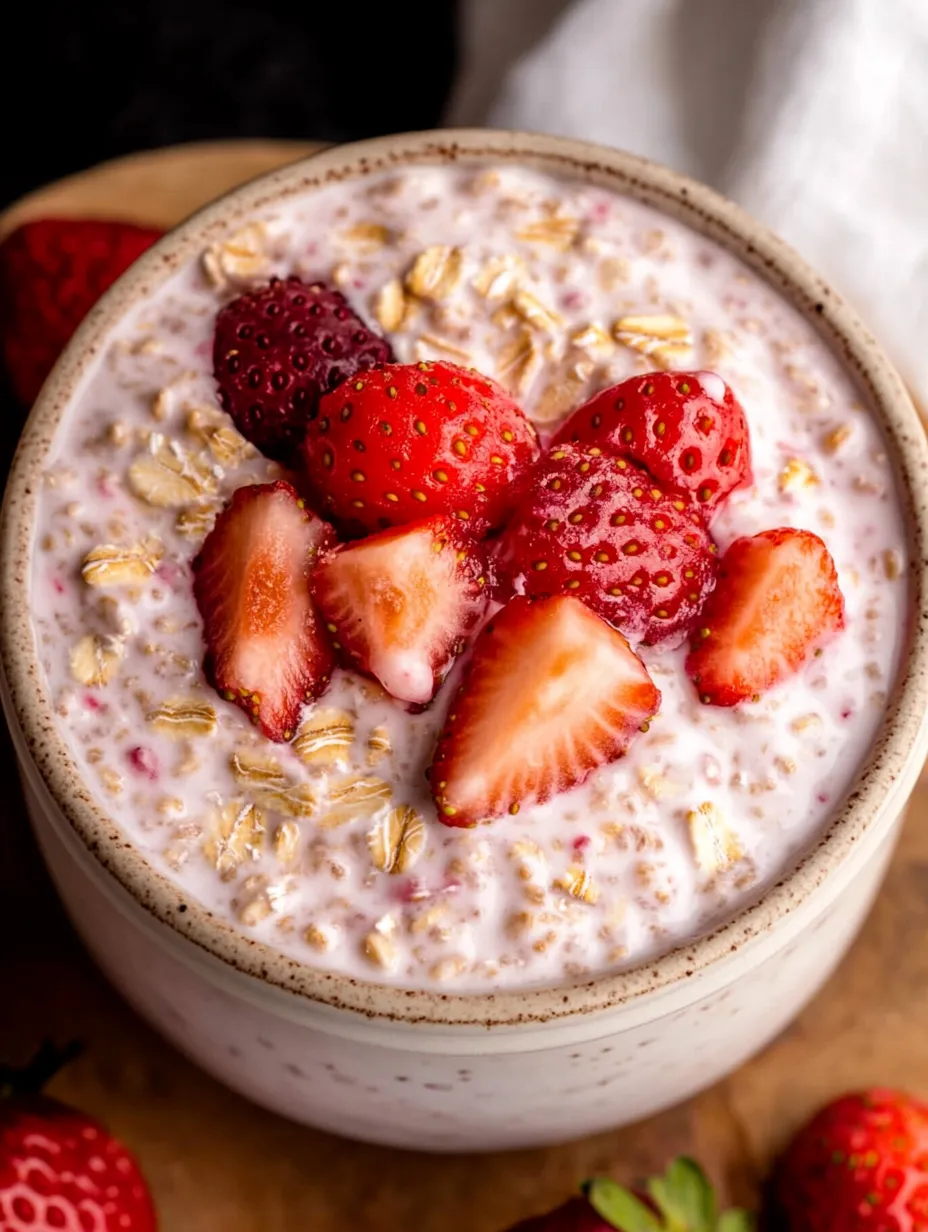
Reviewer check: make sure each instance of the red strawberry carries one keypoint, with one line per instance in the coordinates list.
(60, 1168)
(687, 428)
(52, 272)
(776, 600)
(278, 349)
(410, 440)
(551, 693)
(576, 1215)
(598, 527)
(401, 603)
(680, 1201)
(860, 1165)
(268, 652)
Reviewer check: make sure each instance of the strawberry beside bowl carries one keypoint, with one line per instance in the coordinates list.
(463, 1058)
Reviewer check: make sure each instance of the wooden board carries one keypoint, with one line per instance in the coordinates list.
(218, 1164)
(158, 187)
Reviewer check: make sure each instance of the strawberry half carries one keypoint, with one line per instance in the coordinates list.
(410, 440)
(267, 650)
(278, 349)
(687, 428)
(401, 603)
(600, 528)
(52, 272)
(776, 600)
(551, 693)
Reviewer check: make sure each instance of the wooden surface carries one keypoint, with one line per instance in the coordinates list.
(219, 1164)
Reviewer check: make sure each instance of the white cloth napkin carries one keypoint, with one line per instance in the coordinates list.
(812, 114)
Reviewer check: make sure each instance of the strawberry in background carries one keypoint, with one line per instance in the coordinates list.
(860, 1165)
(60, 1168)
(52, 272)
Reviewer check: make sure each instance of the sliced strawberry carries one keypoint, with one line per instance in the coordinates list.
(687, 428)
(776, 600)
(551, 693)
(406, 441)
(600, 528)
(401, 603)
(267, 649)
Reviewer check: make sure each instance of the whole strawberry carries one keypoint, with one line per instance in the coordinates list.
(860, 1165)
(687, 428)
(278, 349)
(576, 1215)
(58, 1167)
(598, 527)
(407, 441)
(52, 272)
(680, 1201)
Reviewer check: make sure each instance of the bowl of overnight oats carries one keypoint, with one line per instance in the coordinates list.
(462, 636)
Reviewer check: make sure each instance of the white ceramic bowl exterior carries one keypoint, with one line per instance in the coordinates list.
(439, 1088)
(422, 1069)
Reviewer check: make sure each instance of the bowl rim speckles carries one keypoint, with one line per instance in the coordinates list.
(865, 812)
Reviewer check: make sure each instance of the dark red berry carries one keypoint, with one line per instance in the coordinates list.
(278, 349)
(599, 527)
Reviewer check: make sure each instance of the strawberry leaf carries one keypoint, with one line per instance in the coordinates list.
(622, 1209)
(736, 1221)
(684, 1197)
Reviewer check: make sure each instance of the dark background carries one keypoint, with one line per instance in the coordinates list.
(89, 80)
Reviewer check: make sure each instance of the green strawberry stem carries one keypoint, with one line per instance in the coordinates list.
(682, 1200)
(30, 1079)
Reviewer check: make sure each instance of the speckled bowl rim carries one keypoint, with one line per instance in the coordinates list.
(903, 732)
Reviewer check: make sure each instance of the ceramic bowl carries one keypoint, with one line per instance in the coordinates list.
(427, 1069)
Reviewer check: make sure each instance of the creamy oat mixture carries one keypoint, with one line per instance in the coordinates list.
(329, 849)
